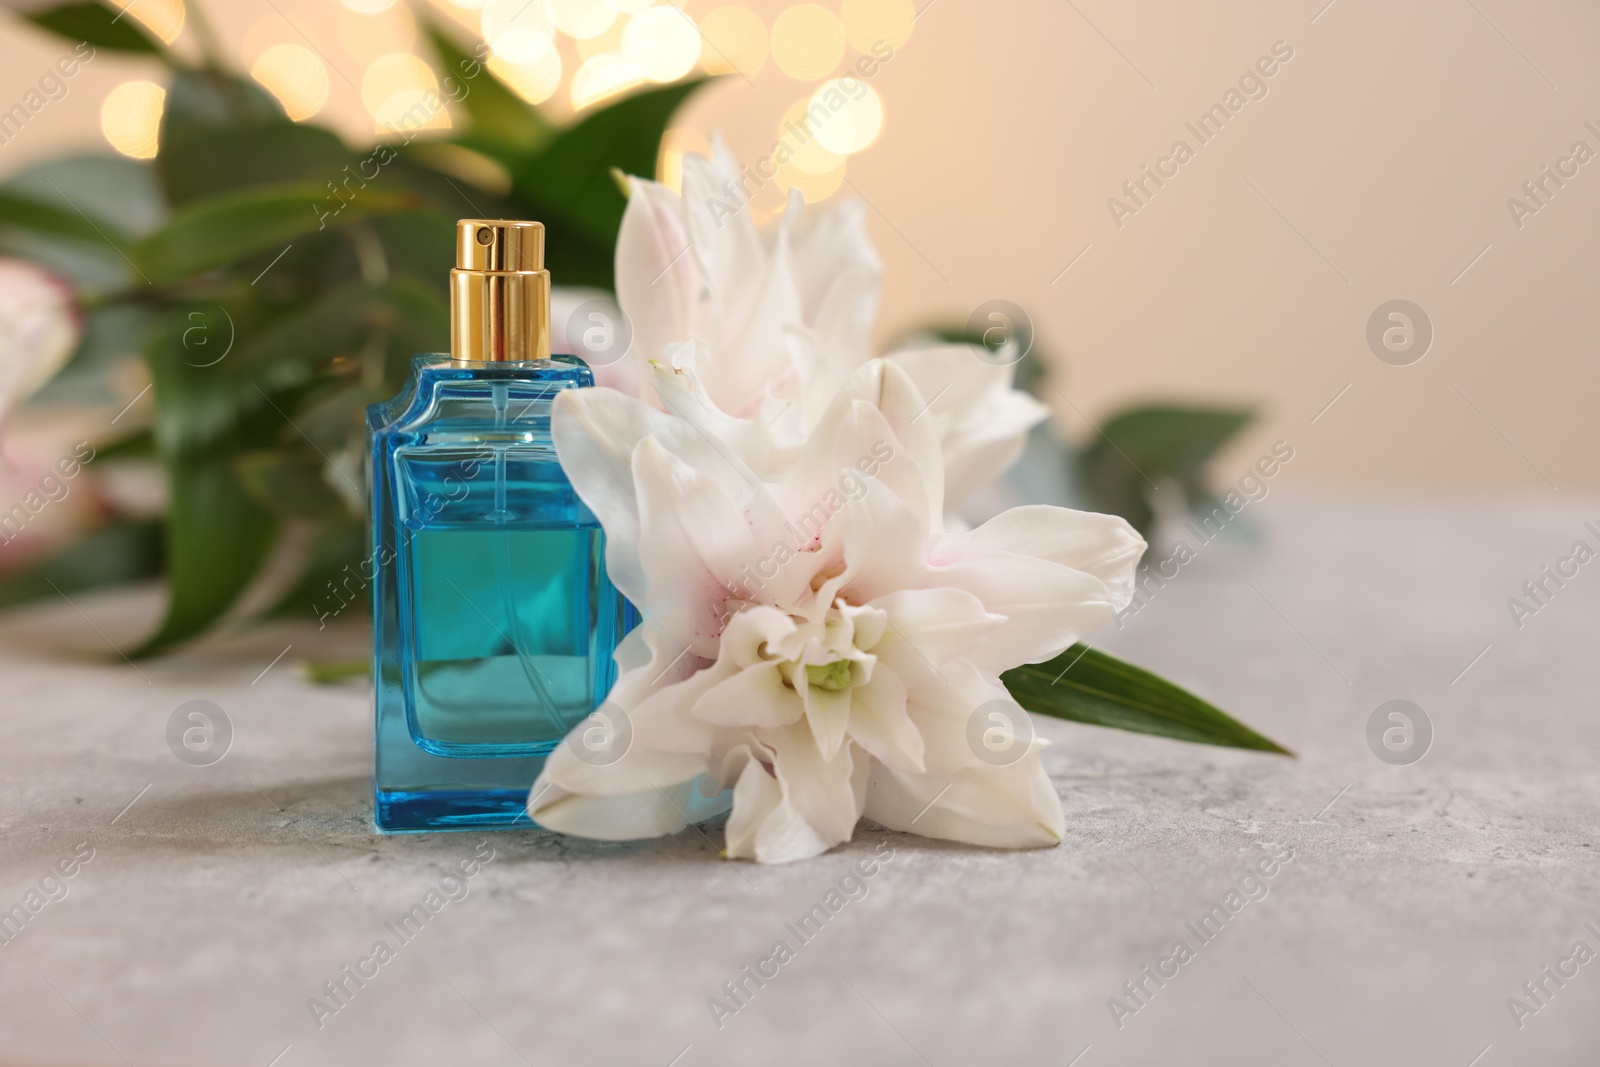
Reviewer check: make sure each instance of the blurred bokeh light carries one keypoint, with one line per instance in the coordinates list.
(847, 115)
(601, 77)
(164, 18)
(870, 23)
(401, 92)
(536, 80)
(582, 18)
(518, 30)
(368, 35)
(662, 43)
(735, 41)
(130, 118)
(296, 76)
(807, 42)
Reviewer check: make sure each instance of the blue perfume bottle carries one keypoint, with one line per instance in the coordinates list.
(494, 622)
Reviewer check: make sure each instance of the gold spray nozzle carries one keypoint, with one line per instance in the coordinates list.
(499, 293)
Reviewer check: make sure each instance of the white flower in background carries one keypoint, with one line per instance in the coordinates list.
(751, 335)
(39, 330)
(576, 311)
(814, 640)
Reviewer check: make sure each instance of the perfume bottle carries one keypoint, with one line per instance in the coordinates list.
(494, 622)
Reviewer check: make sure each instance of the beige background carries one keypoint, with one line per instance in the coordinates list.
(1377, 167)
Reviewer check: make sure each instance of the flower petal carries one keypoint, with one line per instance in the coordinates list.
(941, 623)
(626, 817)
(595, 433)
(880, 724)
(567, 329)
(666, 745)
(915, 471)
(823, 791)
(698, 542)
(1102, 545)
(653, 789)
(723, 242)
(978, 805)
(754, 697)
(885, 548)
(753, 635)
(982, 421)
(39, 329)
(764, 826)
(832, 248)
(828, 715)
(750, 292)
(681, 391)
(1010, 564)
(658, 284)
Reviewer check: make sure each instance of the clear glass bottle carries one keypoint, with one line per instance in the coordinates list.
(494, 622)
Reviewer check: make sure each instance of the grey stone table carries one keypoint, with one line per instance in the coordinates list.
(1417, 900)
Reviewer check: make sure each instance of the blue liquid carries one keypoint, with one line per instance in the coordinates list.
(494, 621)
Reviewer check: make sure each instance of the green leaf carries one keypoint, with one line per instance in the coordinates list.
(336, 671)
(216, 534)
(422, 243)
(102, 203)
(199, 408)
(29, 213)
(568, 185)
(110, 344)
(332, 417)
(1148, 445)
(289, 484)
(114, 555)
(140, 444)
(221, 229)
(204, 100)
(416, 314)
(1086, 685)
(211, 161)
(217, 538)
(97, 24)
(502, 122)
(466, 172)
(333, 583)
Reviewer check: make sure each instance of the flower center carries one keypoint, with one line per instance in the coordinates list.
(832, 676)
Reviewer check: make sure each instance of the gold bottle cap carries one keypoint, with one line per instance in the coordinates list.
(499, 293)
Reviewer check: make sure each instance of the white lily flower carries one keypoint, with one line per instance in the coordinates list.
(39, 330)
(764, 329)
(815, 643)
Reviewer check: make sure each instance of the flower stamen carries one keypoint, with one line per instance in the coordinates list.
(830, 676)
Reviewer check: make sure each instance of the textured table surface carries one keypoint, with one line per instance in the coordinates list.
(1419, 899)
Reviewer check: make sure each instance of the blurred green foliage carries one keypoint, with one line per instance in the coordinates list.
(275, 281)
(1141, 447)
